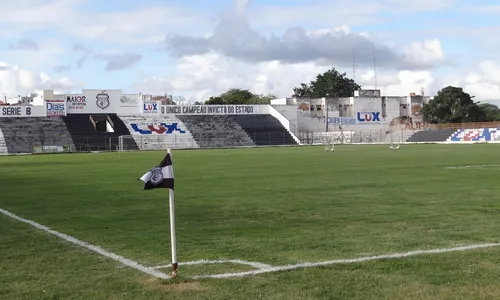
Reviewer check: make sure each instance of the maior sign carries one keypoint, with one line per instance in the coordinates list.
(162, 128)
(102, 100)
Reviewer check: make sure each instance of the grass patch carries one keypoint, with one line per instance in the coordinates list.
(272, 205)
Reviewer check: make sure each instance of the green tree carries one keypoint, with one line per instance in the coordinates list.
(331, 83)
(491, 112)
(262, 99)
(240, 96)
(452, 105)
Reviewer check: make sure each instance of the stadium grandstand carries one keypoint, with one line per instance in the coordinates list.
(104, 120)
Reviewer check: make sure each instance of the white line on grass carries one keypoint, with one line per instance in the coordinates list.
(256, 265)
(97, 249)
(471, 167)
(261, 268)
(349, 261)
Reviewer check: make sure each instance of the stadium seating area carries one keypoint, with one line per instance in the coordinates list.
(3, 144)
(265, 130)
(95, 132)
(22, 134)
(84, 132)
(475, 135)
(216, 131)
(431, 136)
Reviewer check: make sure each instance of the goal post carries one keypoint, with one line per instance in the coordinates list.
(329, 136)
(395, 138)
(329, 142)
(126, 143)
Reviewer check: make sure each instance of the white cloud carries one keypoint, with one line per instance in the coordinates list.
(401, 84)
(47, 55)
(429, 53)
(487, 9)
(483, 83)
(16, 81)
(340, 11)
(200, 76)
(147, 23)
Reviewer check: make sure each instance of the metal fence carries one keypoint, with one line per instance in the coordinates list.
(108, 142)
(345, 137)
(111, 142)
(85, 143)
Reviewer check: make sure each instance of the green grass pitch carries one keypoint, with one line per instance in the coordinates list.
(276, 206)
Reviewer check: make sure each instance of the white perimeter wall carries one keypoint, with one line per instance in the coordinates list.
(289, 112)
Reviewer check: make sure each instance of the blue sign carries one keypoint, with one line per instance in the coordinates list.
(368, 117)
(341, 121)
(162, 128)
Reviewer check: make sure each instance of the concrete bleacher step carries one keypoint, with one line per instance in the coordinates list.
(216, 131)
(21, 134)
(431, 136)
(265, 130)
(3, 144)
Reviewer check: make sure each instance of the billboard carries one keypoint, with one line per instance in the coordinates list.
(156, 128)
(368, 117)
(55, 108)
(151, 107)
(76, 103)
(21, 111)
(97, 101)
(214, 109)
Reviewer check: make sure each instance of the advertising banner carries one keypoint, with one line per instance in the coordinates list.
(151, 107)
(76, 103)
(129, 103)
(51, 149)
(55, 108)
(20, 111)
(214, 109)
(368, 117)
(156, 128)
(94, 101)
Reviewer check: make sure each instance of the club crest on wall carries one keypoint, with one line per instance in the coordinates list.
(102, 100)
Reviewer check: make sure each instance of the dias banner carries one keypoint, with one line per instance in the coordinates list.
(55, 108)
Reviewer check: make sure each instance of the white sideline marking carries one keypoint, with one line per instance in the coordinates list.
(97, 249)
(349, 261)
(261, 268)
(471, 167)
(256, 265)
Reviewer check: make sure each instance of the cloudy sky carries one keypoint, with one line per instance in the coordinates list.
(198, 49)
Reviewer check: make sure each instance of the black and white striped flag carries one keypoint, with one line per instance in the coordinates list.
(161, 176)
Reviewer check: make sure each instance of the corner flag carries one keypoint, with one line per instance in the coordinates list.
(162, 176)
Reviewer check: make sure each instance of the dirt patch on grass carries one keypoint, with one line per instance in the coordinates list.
(174, 285)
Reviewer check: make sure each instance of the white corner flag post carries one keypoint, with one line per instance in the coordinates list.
(162, 176)
(171, 202)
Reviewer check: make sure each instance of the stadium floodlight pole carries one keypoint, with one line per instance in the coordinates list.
(326, 115)
(328, 147)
